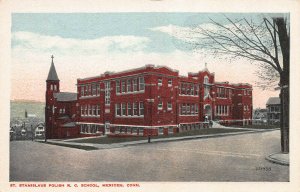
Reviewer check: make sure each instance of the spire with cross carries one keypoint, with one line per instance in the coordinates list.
(52, 75)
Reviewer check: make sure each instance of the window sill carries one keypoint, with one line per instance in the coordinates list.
(135, 116)
(128, 93)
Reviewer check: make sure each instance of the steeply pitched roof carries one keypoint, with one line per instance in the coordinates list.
(273, 101)
(52, 75)
(65, 96)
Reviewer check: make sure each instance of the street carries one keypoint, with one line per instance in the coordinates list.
(230, 158)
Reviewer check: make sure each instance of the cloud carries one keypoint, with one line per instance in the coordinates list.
(184, 33)
(76, 58)
(28, 41)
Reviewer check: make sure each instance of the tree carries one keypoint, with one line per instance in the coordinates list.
(265, 42)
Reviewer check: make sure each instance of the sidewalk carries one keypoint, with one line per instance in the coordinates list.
(124, 144)
(279, 158)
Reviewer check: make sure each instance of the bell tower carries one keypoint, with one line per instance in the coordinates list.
(52, 86)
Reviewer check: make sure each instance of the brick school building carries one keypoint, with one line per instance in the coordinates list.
(151, 100)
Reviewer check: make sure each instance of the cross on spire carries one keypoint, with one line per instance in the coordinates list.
(52, 75)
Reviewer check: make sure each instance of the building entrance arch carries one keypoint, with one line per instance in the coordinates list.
(207, 112)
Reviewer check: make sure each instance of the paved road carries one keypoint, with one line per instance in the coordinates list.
(231, 158)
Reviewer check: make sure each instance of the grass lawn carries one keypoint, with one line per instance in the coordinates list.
(109, 140)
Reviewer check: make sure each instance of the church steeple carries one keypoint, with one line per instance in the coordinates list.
(52, 75)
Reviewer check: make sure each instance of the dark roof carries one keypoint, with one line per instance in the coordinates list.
(52, 75)
(273, 101)
(70, 124)
(65, 96)
(64, 117)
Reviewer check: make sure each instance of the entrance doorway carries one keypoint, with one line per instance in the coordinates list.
(207, 111)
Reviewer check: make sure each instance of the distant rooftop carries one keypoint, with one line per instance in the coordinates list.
(65, 96)
(273, 101)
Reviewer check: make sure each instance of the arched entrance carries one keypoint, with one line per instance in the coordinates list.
(207, 111)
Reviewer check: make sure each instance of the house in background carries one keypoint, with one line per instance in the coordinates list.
(39, 130)
(273, 110)
(260, 116)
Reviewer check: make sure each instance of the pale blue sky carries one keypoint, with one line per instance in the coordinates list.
(95, 25)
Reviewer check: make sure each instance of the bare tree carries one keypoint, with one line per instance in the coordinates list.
(265, 43)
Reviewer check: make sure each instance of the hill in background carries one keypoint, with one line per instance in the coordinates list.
(18, 107)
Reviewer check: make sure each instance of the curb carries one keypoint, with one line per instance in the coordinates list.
(277, 161)
(125, 144)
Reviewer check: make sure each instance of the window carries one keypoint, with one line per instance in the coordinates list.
(118, 110)
(183, 89)
(169, 106)
(169, 82)
(82, 110)
(141, 83)
(98, 89)
(206, 91)
(123, 112)
(86, 90)
(135, 109)
(192, 109)
(86, 110)
(129, 85)
(188, 109)
(81, 129)
(117, 86)
(98, 110)
(192, 90)
(82, 91)
(135, 84)
(93, 89)
(107, 92)
(54, 87)
(196, 109)
(159, 83)
(196, 89)
(188, 90)
(129, 109)
(183, 109)
(160, 105)
(123, 86)
(141, 108)
(90, 110)
(206, 80)
(94, 110)
(51, 87)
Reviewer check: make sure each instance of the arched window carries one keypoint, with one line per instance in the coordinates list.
(206, 80)
(206, 87)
